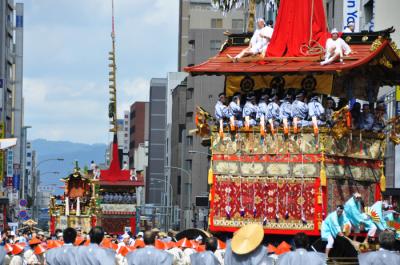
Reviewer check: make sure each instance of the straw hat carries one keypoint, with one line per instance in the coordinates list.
(184, 243)
(247, 239)
(139, 244)
(221, 244)
(39, 249)
(160, 245)
(18, 248)
(54, 244)
(79, 241)
(123, 251)
(34, 241)
(8, 248)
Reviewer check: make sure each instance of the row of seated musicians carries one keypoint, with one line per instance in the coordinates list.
(299, 110)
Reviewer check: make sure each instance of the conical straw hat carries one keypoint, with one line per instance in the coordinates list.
(247, 239)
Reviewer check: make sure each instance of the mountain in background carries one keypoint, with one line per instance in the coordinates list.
(83, 153)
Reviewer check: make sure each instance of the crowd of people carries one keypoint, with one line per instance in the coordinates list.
(152, 247)
(118, 197)
(272, 110)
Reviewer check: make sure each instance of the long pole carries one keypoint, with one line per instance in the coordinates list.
(189, 174)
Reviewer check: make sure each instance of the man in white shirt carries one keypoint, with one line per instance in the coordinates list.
(335, 49)
(258, 43)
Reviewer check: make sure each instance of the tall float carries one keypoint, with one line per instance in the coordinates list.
(290, 180)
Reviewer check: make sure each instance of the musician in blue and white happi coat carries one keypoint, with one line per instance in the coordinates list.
(273, 112)
(300, 110)
(262, 109)
(353, 210)
(285, 112)
(315, 110)
(235, 111)
(250, 110)
(367, 118)
(333, 226)
(221, 111)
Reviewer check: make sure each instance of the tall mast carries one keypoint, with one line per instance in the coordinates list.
(112, 107)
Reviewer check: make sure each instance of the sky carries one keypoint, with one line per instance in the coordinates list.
(66, 45)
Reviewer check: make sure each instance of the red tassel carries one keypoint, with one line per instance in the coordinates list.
(348, 119)
(378, 193)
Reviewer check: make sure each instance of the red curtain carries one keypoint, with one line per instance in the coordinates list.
(52, 225)
(293, 25)
(132, 222)
(93, 220)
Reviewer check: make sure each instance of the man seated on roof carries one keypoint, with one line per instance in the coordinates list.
(250, 110)
(300, 110)
(235, 112)
(273, 113)
(367, 118)
(262, 108)
(258, 43)
(349, 28)
(335, 49)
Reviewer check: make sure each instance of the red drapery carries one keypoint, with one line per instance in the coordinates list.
(52, 225)
(293, 26)
(93, 221)
(114, 173)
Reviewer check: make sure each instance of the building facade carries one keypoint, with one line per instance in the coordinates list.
(139, 128)
(155, 174)
(201, 34)
(11, 100)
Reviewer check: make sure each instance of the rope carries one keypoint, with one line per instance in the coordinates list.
(312, 48)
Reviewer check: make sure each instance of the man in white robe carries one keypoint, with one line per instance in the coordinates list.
(335, 49)
(300, 256)
(349, 28)
(259, 41)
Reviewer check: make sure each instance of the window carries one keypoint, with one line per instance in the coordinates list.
(237, 23)
(189, 165)
(189, 93)
(216, 23)
(28, 164)
(181, 128)
(189, 117)
(189, 140)
(28, 154)
(215, 45)
(179, 185)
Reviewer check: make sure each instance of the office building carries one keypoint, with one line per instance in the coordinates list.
(157, 133)
(11, 97)
(201, 34)
(139, 128)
